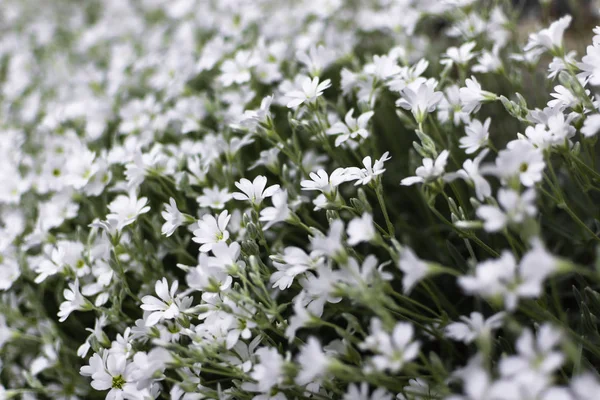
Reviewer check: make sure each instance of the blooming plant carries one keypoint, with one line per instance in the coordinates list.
(273, 199)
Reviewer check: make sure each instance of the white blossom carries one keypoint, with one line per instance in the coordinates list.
(212, 230)
(310, 91)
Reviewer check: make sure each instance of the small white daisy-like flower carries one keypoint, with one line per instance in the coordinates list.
(254, 191)
(214, 198)
(472, 96)
(471, 172)
(420, 101)
(361, 230)
(74, 301)
(313, 362)
(550, 38)
(477, 136)
(212, 230)
(474, 326)
(167, 305)
(126, 209)
(114, 373)
(520, 160)
(279, 212)
(459, 55)
(413, 268)
(252, 118)
(513, 208)
(352, 128)
(430, 170)
(173, 217)
(310, 91)
(591, 126)
(392, 351)
(325, 183)
(363, 176)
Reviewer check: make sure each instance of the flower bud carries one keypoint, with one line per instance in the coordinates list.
(250, 247)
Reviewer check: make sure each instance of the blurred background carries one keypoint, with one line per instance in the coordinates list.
(537, 14)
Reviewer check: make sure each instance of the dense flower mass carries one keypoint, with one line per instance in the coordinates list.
(285, 200)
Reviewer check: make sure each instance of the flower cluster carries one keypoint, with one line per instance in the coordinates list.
(281, 200)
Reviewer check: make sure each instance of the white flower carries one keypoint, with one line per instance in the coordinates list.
(238, 70)
(226, 256)
(212, 230)
(67, 255)
(550, 38)
(173, 217)
(365, 274)
(361, 230)
(313, 362)
(352, 128)
(514, 209)
(392, 351)
(564, 98)
(6, 332)
(383, 67)
(355, 392)
(477, 382)
(477, 136)
(292, 263)
(473, 327)
(591, 126)
(471, 172)
(279, 212)
(167, 305)
(125, 209)
(409, 76)
(268, 158)
(488, 61)
(460, 56)
(539, 136)
(560, 64)
(520, 159)
(473, 95)
(301, 318)
(535, 355)
(504, 278)
(552, 128)
(208, 277)
(311, 90)
(590, 65)
(112, 372)
(254, 191)
(214, 198)
(585, 386)
(96, 333)
(470, 26)
(430, 170)
(252, 118)
(560, 128)
(413, 268)
(364, 176)
(9, 271)
(74, 301)
(316, 59)
(148, 367)
(451, 106)
(268, 372)
(331, 244)
(421, 101)
(326, 184)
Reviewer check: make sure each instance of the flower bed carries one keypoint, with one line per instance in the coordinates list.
(275, 199)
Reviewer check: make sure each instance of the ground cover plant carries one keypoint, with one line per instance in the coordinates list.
(273, 199)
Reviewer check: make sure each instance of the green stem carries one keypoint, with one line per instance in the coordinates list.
(379, 192)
